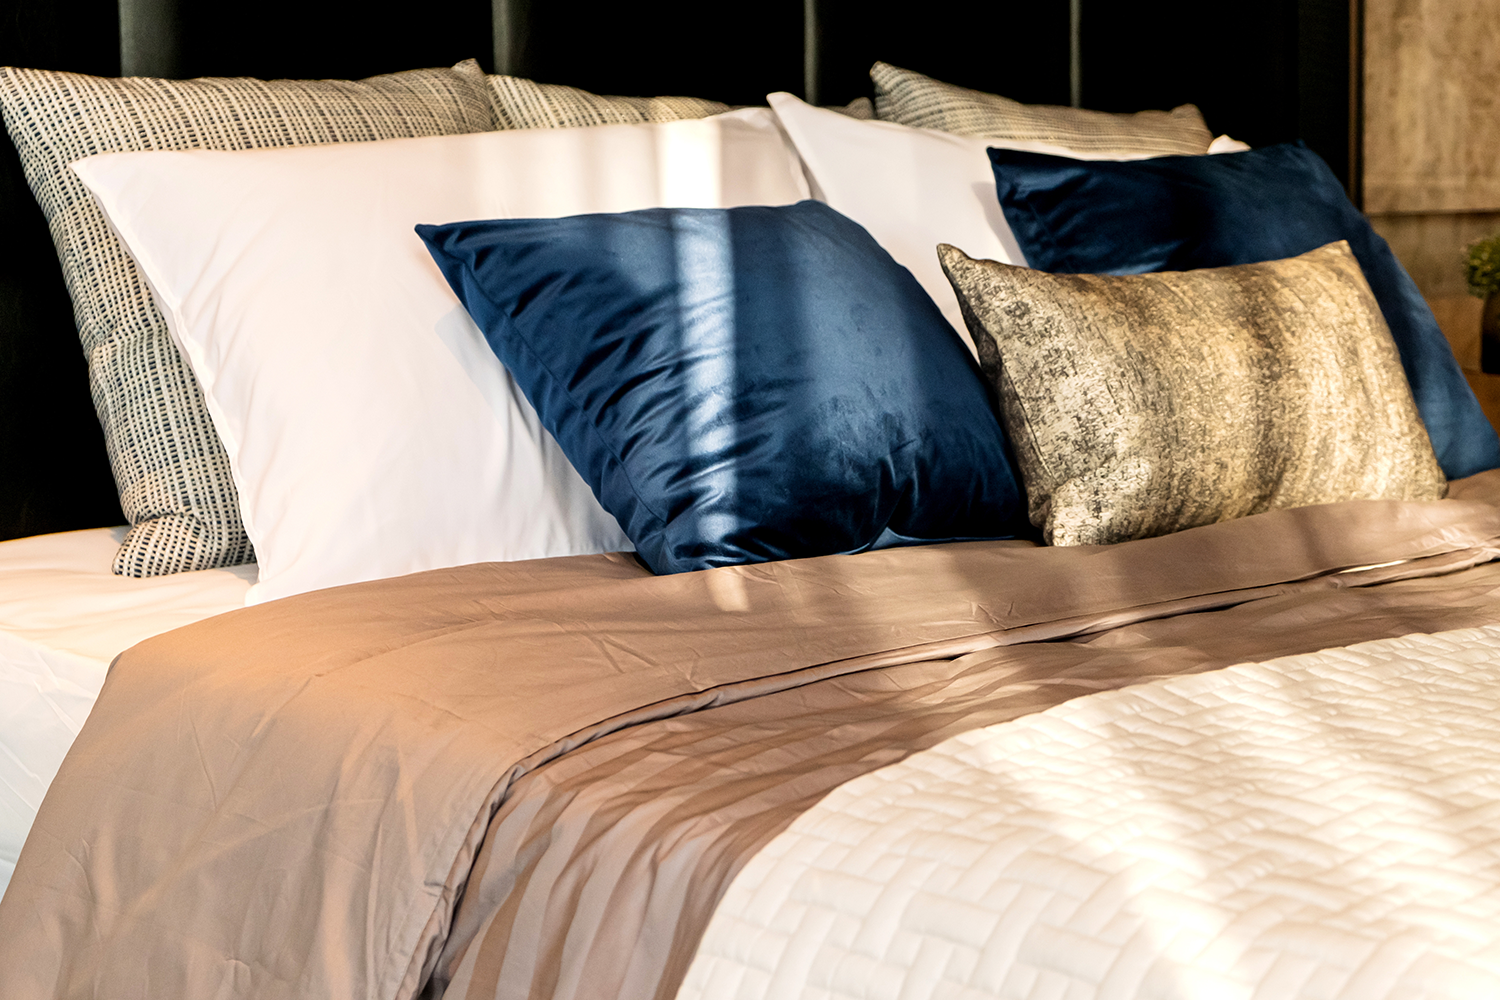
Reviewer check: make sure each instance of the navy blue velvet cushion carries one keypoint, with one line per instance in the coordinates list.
(1176, 213)
(740, 385)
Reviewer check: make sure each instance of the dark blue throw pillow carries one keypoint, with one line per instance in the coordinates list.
(740, 385)
(1177, 213)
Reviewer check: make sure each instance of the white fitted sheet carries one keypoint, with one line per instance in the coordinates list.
(63, 618)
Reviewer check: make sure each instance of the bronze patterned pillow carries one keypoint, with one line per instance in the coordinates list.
(1143, 404)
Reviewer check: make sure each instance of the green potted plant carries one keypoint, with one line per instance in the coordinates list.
(1482, 269)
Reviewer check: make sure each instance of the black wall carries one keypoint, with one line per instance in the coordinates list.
(336, 39)
(1268, 72)
(734, 52)
(1016, 49)
(53, 471)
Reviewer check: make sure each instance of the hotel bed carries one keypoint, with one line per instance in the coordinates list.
(484, 721)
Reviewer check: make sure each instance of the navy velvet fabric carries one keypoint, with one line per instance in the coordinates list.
(1176, 213)
(740, 385)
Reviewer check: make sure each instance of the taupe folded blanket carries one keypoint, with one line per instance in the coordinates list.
(290, 800)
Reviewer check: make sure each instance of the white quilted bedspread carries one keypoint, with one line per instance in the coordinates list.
(1319, 826)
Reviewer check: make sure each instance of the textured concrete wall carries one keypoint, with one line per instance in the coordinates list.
(1432, 151)
(1432, 105)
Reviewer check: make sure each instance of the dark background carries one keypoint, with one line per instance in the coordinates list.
(1267, 72)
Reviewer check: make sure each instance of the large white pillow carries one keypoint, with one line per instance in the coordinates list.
(370, 430)
(914, 188)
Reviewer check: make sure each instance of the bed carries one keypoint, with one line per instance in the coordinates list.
(779, 748)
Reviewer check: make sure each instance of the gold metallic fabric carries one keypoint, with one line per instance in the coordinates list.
(1140, 405)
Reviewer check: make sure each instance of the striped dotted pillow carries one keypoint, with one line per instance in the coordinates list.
(169, 465)
(922, 102)
(521, 103)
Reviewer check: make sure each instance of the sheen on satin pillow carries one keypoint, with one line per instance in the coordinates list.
(1178, 213)
(740, 385)
(910, 188)
(370, 431)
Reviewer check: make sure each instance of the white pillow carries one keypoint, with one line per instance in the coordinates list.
(1227, 144)
(370, 430)
(913, 188)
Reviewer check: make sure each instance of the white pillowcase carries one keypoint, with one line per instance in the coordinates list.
(370, 430)
(1227, 144)
(914, 188)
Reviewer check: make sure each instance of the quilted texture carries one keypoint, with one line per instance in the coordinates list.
(1144, 404)
(922, 102)
(169, 465)
(1316, 826)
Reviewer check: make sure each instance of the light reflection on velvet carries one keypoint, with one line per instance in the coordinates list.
(740, 385)
(1177, 213)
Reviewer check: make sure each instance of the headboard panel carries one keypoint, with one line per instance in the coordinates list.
(1266, 73)
(53, 470)
(1020, 50)
(736, 52)
(818, 49)
(299, 39)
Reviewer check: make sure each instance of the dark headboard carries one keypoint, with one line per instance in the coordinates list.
(1265, 72)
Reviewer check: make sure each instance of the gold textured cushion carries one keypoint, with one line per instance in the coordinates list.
(1143, 404)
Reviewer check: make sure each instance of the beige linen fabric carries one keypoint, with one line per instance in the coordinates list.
(1143, 404)
(169, 465)
(922, 102)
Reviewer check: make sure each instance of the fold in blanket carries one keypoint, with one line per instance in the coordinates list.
(287, 801)
(602, 869)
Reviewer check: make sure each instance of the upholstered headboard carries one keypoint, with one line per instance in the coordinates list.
(1265, 72)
